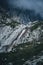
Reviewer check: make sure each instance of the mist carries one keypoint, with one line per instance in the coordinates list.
(36, 5)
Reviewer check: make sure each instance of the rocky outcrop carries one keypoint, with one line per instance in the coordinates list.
(9, 36)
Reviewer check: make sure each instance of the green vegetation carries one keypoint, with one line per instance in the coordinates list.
(36, 25)
(40, 63)
(22, 53)
(12, 24)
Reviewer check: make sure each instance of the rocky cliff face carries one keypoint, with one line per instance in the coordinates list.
(32, 32)
(14, 32)
(20, 43)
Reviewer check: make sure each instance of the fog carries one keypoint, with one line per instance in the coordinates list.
(36, 5)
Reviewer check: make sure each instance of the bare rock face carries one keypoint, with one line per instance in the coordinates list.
(14, 32)
(9, 36)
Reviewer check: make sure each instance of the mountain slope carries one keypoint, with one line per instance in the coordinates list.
(20, 43)
(20, 34)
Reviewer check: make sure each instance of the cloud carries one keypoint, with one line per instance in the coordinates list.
(36, 5)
